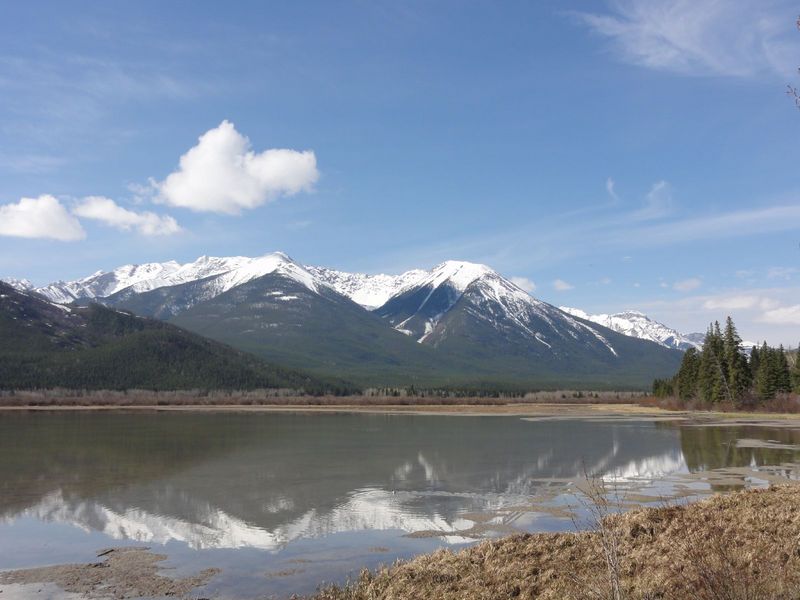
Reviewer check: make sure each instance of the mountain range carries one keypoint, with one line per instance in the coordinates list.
(458, 324)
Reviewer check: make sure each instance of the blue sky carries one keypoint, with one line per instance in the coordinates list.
(622, 154)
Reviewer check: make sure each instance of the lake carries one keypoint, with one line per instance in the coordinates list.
(283, 501)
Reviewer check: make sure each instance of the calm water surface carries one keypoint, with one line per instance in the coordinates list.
(282, 502)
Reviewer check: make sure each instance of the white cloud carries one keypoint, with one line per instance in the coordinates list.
(708, 37)
(686, 285)
(610, 189)
(524, 283)
(223, 174)
(42, 217)
(109, 212)
(605, 280)
(562, 286)
(657, 203)
(782, 272)
(739, 302)
(724, 225)
(786, 315)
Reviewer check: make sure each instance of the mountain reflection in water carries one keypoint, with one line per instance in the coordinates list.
(262, 480)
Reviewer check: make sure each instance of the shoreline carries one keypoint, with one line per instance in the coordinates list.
(507, 409)
(534, 411)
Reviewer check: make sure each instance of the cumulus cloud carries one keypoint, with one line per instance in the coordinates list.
(785, 315)
(562, 286)
(109, 212)
(700, 38)
(43, 217)
(223, 174)
(687, 285)
(524, 283)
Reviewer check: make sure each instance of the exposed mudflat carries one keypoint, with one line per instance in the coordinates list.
(119, 573)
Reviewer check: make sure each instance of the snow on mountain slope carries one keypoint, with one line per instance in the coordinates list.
(523, 311)
(166, 301)
(23, 285)
(277, 262)
(373, 291)
(636, 324)
(370, 291)
(101, 284)
(416, 309)
(230, 272)
(485, 296)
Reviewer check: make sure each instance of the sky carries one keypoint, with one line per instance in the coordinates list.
(607, 155)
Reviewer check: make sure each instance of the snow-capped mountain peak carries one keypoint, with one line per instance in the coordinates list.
(276, 262)
(459, 274)
(634, 323)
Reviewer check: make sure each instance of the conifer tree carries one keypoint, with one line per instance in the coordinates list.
(686, 384)
(736, 369)
(783, 379)
(796, 372)
(713, 385)
(764, 386)
(754, 359)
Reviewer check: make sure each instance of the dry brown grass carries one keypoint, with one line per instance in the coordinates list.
(781, 404)
(285, 398)
(742, 546)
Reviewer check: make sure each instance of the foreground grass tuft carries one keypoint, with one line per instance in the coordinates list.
(742, 546)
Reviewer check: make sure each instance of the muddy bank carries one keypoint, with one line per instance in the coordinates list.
(119, 573)
(741, 545)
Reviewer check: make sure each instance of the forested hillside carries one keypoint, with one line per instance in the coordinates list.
(44, 345)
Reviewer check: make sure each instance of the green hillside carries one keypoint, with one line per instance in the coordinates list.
(43, 345)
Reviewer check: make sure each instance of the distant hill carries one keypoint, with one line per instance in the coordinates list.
(46, 345)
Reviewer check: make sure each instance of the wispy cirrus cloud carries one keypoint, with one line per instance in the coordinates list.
(611, 189)
(708, 37)
(687, 285)
(784, 315)
(759, 313)
(657, 203)
(740, 302)
(782, 272)
(562, 286)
